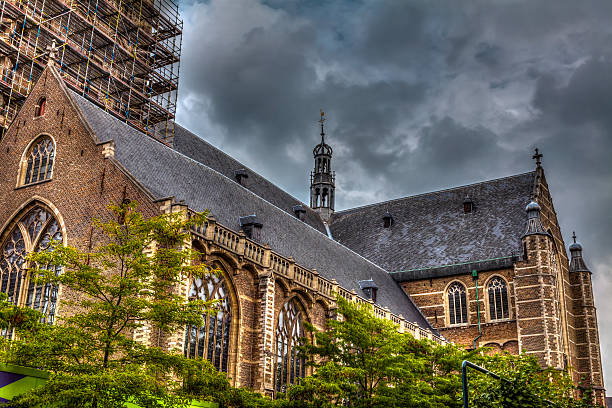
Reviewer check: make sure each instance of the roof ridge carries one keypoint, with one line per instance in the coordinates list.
(242, 164)
(239, 185)
(432, 192)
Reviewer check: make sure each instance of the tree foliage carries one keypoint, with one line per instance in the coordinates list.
(119, 287)
(364, 362)
(127, 282)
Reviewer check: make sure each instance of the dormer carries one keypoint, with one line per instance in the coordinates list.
(299, 211)
(240, 175)
(387, 220)
(369, 289)
(251, 226)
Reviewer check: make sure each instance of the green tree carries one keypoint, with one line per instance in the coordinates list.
(117, 288)
(524, 384)
(363, 361)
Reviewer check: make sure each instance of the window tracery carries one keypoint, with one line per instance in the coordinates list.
(211, 341)
(39, 161)
(498, 299)
(34, 232)
(289, 366)
(457, 304)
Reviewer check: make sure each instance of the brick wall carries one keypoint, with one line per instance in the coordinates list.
(430, 296)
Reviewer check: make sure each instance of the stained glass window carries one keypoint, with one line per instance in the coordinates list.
(39, 163)
(289, 366)
(211, 341)
(498, 299)
(35, 231)
(457, 304)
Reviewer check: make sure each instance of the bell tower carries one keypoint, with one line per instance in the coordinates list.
(322, 178)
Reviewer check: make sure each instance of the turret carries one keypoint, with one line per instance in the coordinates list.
(588, 364)
(322, 178)
(577, 262)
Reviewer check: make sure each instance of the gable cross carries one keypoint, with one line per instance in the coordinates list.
(538, 156)
(574, 236)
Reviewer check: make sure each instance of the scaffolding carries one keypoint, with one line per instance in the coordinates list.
(124, 55)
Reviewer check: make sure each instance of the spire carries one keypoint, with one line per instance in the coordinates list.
(577, 262)
(322, 178)
(322, 148)
(538, 158)
(322, 122)
(534, 223)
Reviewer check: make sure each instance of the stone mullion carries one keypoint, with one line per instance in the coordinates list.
(267, 286)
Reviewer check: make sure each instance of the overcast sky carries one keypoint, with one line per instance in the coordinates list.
(420, 95)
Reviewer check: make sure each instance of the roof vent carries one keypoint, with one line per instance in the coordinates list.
(251, 226)
(468, 205)
(299, 211)
(369, 289)
(387, 220)
(241, 174)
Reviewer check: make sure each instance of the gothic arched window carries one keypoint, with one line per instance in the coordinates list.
(34, 232)
(211, 341)
(288, 365)
(498, 299)
(38, 162)
(457, 304)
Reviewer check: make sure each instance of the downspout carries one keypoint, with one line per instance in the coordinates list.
(475, 277)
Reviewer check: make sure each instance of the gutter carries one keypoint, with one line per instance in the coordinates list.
(462, 268)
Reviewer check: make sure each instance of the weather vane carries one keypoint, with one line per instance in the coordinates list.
(322, 121)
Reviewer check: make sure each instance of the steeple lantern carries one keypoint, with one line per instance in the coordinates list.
(322, 178)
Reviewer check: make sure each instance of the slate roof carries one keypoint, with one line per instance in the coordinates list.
(166, 172)
(431, 230)
(199, 150)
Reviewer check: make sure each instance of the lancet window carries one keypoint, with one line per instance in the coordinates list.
(41, 107)
(211, 341)
(498, 299)
(289, 366)
(36, 231)
(457, 304)
(38, 165)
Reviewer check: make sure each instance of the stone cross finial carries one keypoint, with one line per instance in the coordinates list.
(52, 51)
(574, 237)
(538, 156)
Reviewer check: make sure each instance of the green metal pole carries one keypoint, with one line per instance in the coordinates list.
(475, 276)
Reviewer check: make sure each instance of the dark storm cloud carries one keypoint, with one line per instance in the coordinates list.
(420, 95)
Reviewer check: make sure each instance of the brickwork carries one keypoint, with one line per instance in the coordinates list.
(84, 180)
(430, 296)
(552, 310)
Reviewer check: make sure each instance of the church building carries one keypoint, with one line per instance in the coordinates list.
(477, 265)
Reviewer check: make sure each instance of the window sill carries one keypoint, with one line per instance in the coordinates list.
(458, 325)
(33, 184)
(500, 321)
